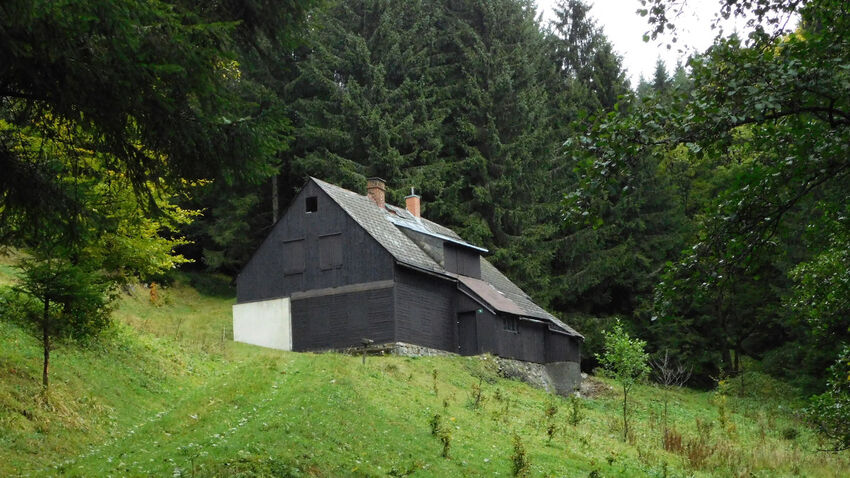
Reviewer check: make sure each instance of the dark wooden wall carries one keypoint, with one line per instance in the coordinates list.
(562, 348)
(462, 260)
(312, 253)
(525, 344)
(295, 243)
(342, 320)
(425, 310)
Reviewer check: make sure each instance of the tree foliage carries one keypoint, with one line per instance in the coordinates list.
(756, 145)
(165, 90)
(830, 411)
(108, 110)
(77, 254)
(624, 360)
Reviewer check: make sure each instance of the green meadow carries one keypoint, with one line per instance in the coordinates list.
(165, 392)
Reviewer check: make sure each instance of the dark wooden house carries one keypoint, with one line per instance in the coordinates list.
(340, 267)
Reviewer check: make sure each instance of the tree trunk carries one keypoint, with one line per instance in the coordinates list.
(736, 367)
(727, 358)
(625, 415)
(45, 342)
(275, 201)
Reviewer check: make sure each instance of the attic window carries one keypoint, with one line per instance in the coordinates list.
(312, 204)
(511, 324)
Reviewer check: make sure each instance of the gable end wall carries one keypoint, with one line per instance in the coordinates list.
(363, 259)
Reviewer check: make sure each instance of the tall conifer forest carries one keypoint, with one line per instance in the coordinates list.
(705, 209)
(498, 119)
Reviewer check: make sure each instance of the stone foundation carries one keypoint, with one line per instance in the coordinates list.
(396, 348)
(563, 378)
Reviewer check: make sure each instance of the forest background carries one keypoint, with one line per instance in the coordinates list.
(705, 206)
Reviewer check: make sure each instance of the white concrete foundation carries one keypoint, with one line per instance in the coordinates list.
(267, 323)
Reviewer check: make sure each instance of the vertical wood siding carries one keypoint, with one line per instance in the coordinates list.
(463, 261)
(425, 310)
(325, 249)
(342, 320)
(532, 342)
(362, 260)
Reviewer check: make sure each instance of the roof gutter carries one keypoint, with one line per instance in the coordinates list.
(444, 276)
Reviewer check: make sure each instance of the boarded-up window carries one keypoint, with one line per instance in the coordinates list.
(293, 257)
(330, 251)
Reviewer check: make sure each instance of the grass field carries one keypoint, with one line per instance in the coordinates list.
(163, 394)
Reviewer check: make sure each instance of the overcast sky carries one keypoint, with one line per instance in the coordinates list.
(625, 29)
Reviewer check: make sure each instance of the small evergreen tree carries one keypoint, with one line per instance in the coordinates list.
(79, 253)
(66, 299)
(661, 81)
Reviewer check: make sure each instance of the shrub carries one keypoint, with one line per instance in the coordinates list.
(442, 432)
(672, 441)
(698, 452)
(476, 399)
(830, 411)
(790, 433)
(549, 413)
(519, 459)
(445, 437)
(435, 423)
(626, 362)
(576, 410)
(434, 377)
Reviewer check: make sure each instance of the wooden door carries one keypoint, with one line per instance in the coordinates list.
(467, 334)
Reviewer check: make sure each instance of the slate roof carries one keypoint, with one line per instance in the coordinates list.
(383, 225)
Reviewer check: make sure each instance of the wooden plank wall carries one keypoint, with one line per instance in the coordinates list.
(425, 310)
(462, 260)
(342, 320)
(363, 259)
(525, 344)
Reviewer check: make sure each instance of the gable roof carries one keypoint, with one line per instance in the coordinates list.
(383, 225)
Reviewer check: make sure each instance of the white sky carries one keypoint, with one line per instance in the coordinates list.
(625, 29)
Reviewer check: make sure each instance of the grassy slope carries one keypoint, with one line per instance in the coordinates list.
(162, 402)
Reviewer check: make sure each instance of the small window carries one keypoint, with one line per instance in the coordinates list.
(511, 324)
(312, 204)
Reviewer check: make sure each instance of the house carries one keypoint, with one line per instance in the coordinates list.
(340, 267)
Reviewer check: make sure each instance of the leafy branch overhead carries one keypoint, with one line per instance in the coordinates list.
(167, 90)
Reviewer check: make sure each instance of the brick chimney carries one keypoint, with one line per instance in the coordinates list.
(412, 203)
(376, 189)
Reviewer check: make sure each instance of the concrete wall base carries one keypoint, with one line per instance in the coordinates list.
(267, 323)
(565, 377)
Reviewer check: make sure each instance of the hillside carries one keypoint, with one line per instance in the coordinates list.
(164, 393)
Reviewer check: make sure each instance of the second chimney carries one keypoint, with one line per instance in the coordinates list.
(376, 189)
(412, 203)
